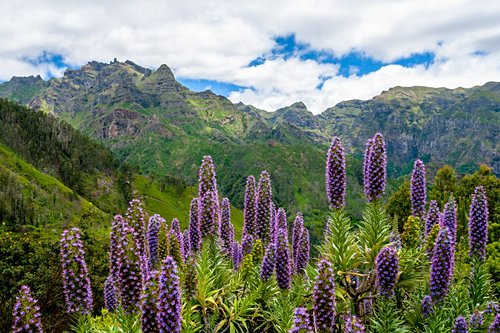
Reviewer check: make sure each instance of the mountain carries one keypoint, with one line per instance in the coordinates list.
(151, 121)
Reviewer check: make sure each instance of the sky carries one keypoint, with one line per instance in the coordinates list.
(268, 53)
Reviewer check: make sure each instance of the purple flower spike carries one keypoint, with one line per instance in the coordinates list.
(387, 263)
(460, 325)
(426, 306)
(207, 214)
(353, 324)
(175, 228)
(283, 270)
(194, 227)
(476, 320)
(433, 216)
(297, 228)
(129, 280)
(148, 303)
(246, 245)
(207, 180)
(335, 174)
(418, 191)
(478, 223)
(281, 219)
(301, 321)
(186, 244)
(264, 205)
(449, 219)
(116, 231)
(366, 166)
(495, 325)
(237, 255)
(154, 224)
(324, 297)
(269, 262)
(249, 208)
(441, 267)
(76, 282)
(227, 229)
(303, 253)
(375, 168)
(135, 218)
(110, 301)
(26, 313)
(169, 298)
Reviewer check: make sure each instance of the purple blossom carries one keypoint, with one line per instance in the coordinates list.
(269, 262)
(303, 253)
(264, 205)
(495, 325)
(353, 324)
(236, 255)
(476, 320)
(249, 207)
(441, 266)
(460, 325)
(297, 228)
(449, 219)
(281, 219)
(207, 180)
(154, 224)
(366, 166)
(433, 216)
(246, 244)
(26, 313)
(149, 322)
(169, 298)
(492, 308)
(283, 271)
(227, 229)
(110, 301)
(129, 281)
(174, 248)
(194, 227)
(273, 225)
(301, 321)
(186, 250)
(76, 282)
(367, 306)
(135, 218)
(478, 223)
(207, 214)
(387, 265)
(175, 228)
(426, 306)
(418, 190)
(335, 174)
(375, 168)
(324, 297)
(116, 230)
(163, 247)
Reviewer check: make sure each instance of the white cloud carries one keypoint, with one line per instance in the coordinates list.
(216, 40)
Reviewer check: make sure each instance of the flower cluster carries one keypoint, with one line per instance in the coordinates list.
(387, 265)
(478, 223)
(194, 227)
(26, 313)
(417, 189)
(353, 324)
(449, 219)
(301, 321)
(175, 229)
(441, 267)
(433, 216)
(297, 228)
(375, 168)
(208, 214)
(169, 298)
(280, 219)
(268, 263)
(226, 227)
(283, 260)
(263, 207)
(324, 297)
(431, 239)
(237, 255)
(303, 252)
(426, 306)
(249, 208)
(460, 325)
(149, 322)
(186, 244)
(207, 180)
(257, 252)
(335, 174)
(246, 244)
(135, 218)
(110, 301)
(476, 320)
(116, 230)
(495, 325)
(76, 282)
(154, 224)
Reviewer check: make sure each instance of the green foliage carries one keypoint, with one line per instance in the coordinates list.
(445, 184)
(387, 318)
(399, 204)
(411, 232)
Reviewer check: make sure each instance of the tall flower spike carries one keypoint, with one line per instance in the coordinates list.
(476, 320)
(163, 239)
(249, 208)
(190, 280)
(153, 228)
(418, 190)
(207, 180)
(135, 218)
(433, 216)
(237, 255)
(110, 301)
(264, 200)
(297, 228)
(176, 229)
(246, 245)
(303, 253)
(431, 239)
(129, 280)
(324, 297)
(335, 174)
(207, 214)
(116, 230)
(257, 252)
(169, 298)
(227, 230)
(194, 227)
(426, 306)
(495, 325)
(283, 260)
(301, 322)
(149, 322)
(281, 219)
(387, 264)
(449, 219)
(353, 324)
(186, 251)
(366, 166)
(460, 325)
(441, 267)
(76, 282)
(26, 313)
(174, 248)
(375, 168)
(273, 225)
(478, 223)
(268, 263)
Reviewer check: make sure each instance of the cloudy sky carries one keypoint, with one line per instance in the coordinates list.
(269, 53)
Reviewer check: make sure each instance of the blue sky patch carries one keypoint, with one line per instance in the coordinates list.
(219, 88)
